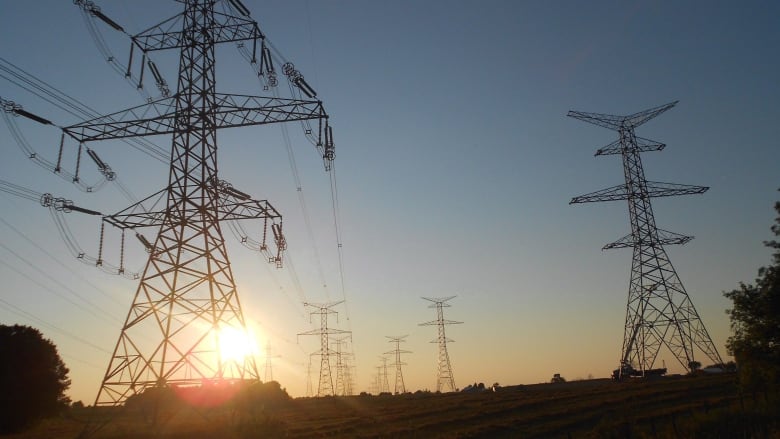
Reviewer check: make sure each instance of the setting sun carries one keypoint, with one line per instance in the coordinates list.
(235, 344)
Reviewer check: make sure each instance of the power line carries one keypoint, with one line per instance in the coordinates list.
(59, 262)
(69, 104)
(96, 311)
(24, 314)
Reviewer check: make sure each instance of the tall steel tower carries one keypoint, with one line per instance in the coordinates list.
(186, 306)
(382, 383)
(400, 388)
(385, 381)
(444, 377)
(309, 387)
(659, 311)
(349, 366)
(343, 387)
(325, 386)
(269, 367)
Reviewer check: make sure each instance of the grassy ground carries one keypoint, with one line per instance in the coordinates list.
(683, 407)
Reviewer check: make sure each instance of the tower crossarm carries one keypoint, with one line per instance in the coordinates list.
(326, 331)
(620, 123)
(399, 351)
(249, 209)
(230, 208)
(168, 34)
(435, 300)
(439, 322)
(445, 340)
(664, 237)
(642, 145)
(614, 193)
(652, 189)
(159, 117)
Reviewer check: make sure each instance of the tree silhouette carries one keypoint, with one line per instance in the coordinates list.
(755, 320)
(33, 378)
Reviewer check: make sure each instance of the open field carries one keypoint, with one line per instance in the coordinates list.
(665, 407)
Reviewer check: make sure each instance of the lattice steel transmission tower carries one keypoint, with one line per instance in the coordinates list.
(268, 376)
(343, 386)
(309, 386)
(186, 303)
(376, 386)
(325, 386)
(444, 377)
(384, 382)
(659, 311)
(400, 388)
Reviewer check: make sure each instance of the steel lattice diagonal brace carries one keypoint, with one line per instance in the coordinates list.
(659, 311)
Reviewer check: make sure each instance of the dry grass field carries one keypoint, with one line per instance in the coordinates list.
(703, 406)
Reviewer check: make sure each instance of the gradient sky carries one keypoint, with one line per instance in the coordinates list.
(455, 165)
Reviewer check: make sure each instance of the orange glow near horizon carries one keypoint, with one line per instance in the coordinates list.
(236, 344)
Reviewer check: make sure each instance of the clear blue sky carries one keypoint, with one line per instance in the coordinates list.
(455, 166)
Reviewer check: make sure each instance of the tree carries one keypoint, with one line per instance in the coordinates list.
(755, 321)
(33, 378)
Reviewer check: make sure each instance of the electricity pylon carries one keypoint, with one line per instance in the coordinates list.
(309, 390)
(444, 377)
(343, 387)
(383, 381)
(399, 375)
(659, 311)
(349, 381)
(325, 386)
(186, 303)
(269, 368)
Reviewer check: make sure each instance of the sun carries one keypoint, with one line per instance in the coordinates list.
(235, 344)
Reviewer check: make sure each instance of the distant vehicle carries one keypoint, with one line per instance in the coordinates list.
(626, 371)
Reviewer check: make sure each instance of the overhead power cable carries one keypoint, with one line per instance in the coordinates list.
(50, 166)
(90, 12)
(39, 321)
(70, 105)
(269, 83)
(58, 206)
(59, 262)
(96, 312)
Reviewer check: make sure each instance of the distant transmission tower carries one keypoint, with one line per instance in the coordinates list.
(186, 305)
(383, 381)
(325, 386)
(659, 311)
(444, 378)
(343, 387)
(349, 381)
(269, 368)
(309, 387)
(400, 388)
(375, 386)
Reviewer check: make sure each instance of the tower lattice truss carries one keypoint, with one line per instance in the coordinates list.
(186, 299)
(659, 311)
(400, 387)
(444, 376)
(325, 386)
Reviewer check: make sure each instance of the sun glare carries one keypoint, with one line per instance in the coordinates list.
(235, 344)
